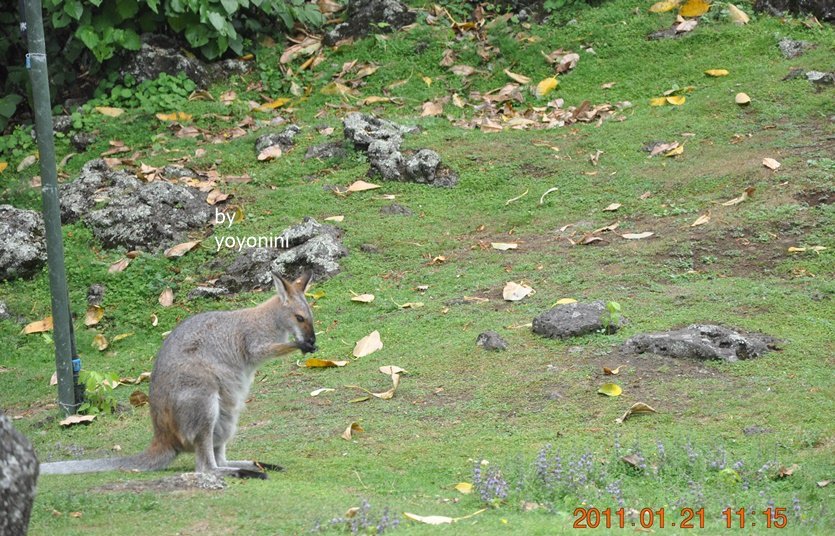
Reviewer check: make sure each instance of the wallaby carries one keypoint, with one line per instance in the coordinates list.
(202, 376)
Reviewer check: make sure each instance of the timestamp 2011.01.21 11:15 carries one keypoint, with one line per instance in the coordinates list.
(688, 518)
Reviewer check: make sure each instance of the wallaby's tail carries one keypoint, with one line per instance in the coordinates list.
(156, 457)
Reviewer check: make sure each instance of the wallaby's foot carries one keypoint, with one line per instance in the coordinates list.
(248, 473)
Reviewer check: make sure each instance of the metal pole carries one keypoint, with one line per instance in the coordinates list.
(65, 361)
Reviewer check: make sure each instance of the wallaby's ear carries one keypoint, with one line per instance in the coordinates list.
(304, 280)
(280, 287)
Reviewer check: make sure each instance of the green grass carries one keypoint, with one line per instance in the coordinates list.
(459, 404)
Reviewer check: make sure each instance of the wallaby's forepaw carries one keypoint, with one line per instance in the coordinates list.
(306, 347)
(247, 473)
(268, 466)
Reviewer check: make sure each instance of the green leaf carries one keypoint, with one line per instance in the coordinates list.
(130, 40)
(217, 20)
(153, 4)
(197, 35)
(127, 8)
(88, 36)
(8, 105)
(73, 8)
(229, 5)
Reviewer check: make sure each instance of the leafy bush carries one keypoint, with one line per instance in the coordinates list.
(99, 396)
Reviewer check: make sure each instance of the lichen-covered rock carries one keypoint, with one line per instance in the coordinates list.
(4, 311)
(574, 319)
(18, 477)
(283, 139)
(123, 211)
(396, 209)
(490, 340)
(22, 242)
(95, 294)
(381, 140)
(324, 151)
(307, 246)
(824, 10)
(208, 292)
(792, 48)
(365, 16)
(702, 341)
(160, 54)
(82, 140)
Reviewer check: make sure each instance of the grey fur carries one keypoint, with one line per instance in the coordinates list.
(202, 376)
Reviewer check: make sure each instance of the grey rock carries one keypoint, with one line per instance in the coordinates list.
(177, 172)
(158, 55)
(333, 149)
(381, 139)
(665, 33)
(22, 242)
(361, 129)
(4, 311)
(283, 139)
(369, 248)
(824, 10)
(61, 123)
(792, 48)
(396, 209)
(820, 78)
(365, 16)
(308, 246)
(574, 319)
(208, 292)
(82, 140)
(702, 341)
(490, 340)
(18, 477)
(95, 294)
(123, 211)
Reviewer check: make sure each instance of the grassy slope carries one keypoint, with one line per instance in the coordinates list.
(734, 270)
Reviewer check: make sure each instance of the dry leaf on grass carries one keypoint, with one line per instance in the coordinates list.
(770, 163)
(637, 236)
(353, 428)
(701, 220)
(548, 191)
(514, 291)
(737, 15)
(318, 392)
(93, 315)
(166, 297)
(368, 344)
(613, 207)
(314, 362)
(361, 186)
(546, 86)
(737, 200)
(363, 298)
(77, 419)
(138, 398)
(109, 111)
(174, 116)
(694, 8)
(270, 153)
(430, 109)
(464, 487)
(637, 408)
(522, 79)
(392, 369)
(664, 6)
(439, 520)
(335, 218)
(39, 326)
(742, 99)
(610, 389)
(180, 249)
(612, 372)
(504, 246)
(100, 342)
(517, 198)
(716, 72)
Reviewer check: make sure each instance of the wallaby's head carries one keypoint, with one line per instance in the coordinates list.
(295, 315)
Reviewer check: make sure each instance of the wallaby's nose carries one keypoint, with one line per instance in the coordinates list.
(308, 346)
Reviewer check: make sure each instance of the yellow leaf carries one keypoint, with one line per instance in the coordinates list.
(315, 295)
(122, 336)
(612, 372)
(100, 342)
(313, 362)
(93, 316)
(174, 116)
(439, 520)
(273, 104)
(318, 392)
(742, 99)
(676, 100)
(565, 301)
(335, 218)
(3, 166)
(522, 79)
(336, 88)
(637, 408)
(694, 8)
(368, 344)
(666, 5)
(504, 246)
(361, 186)
(737, 200)
(610, 389)
(352, 428)
(717, 72)
(363, 298)
(426, 80)
(675, 151)
(109, 111)
(464, 487)
(546, 86)
(658, 101)
(737, 15)
(38, 326)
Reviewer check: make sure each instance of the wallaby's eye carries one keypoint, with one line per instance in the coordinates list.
(300, 318)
